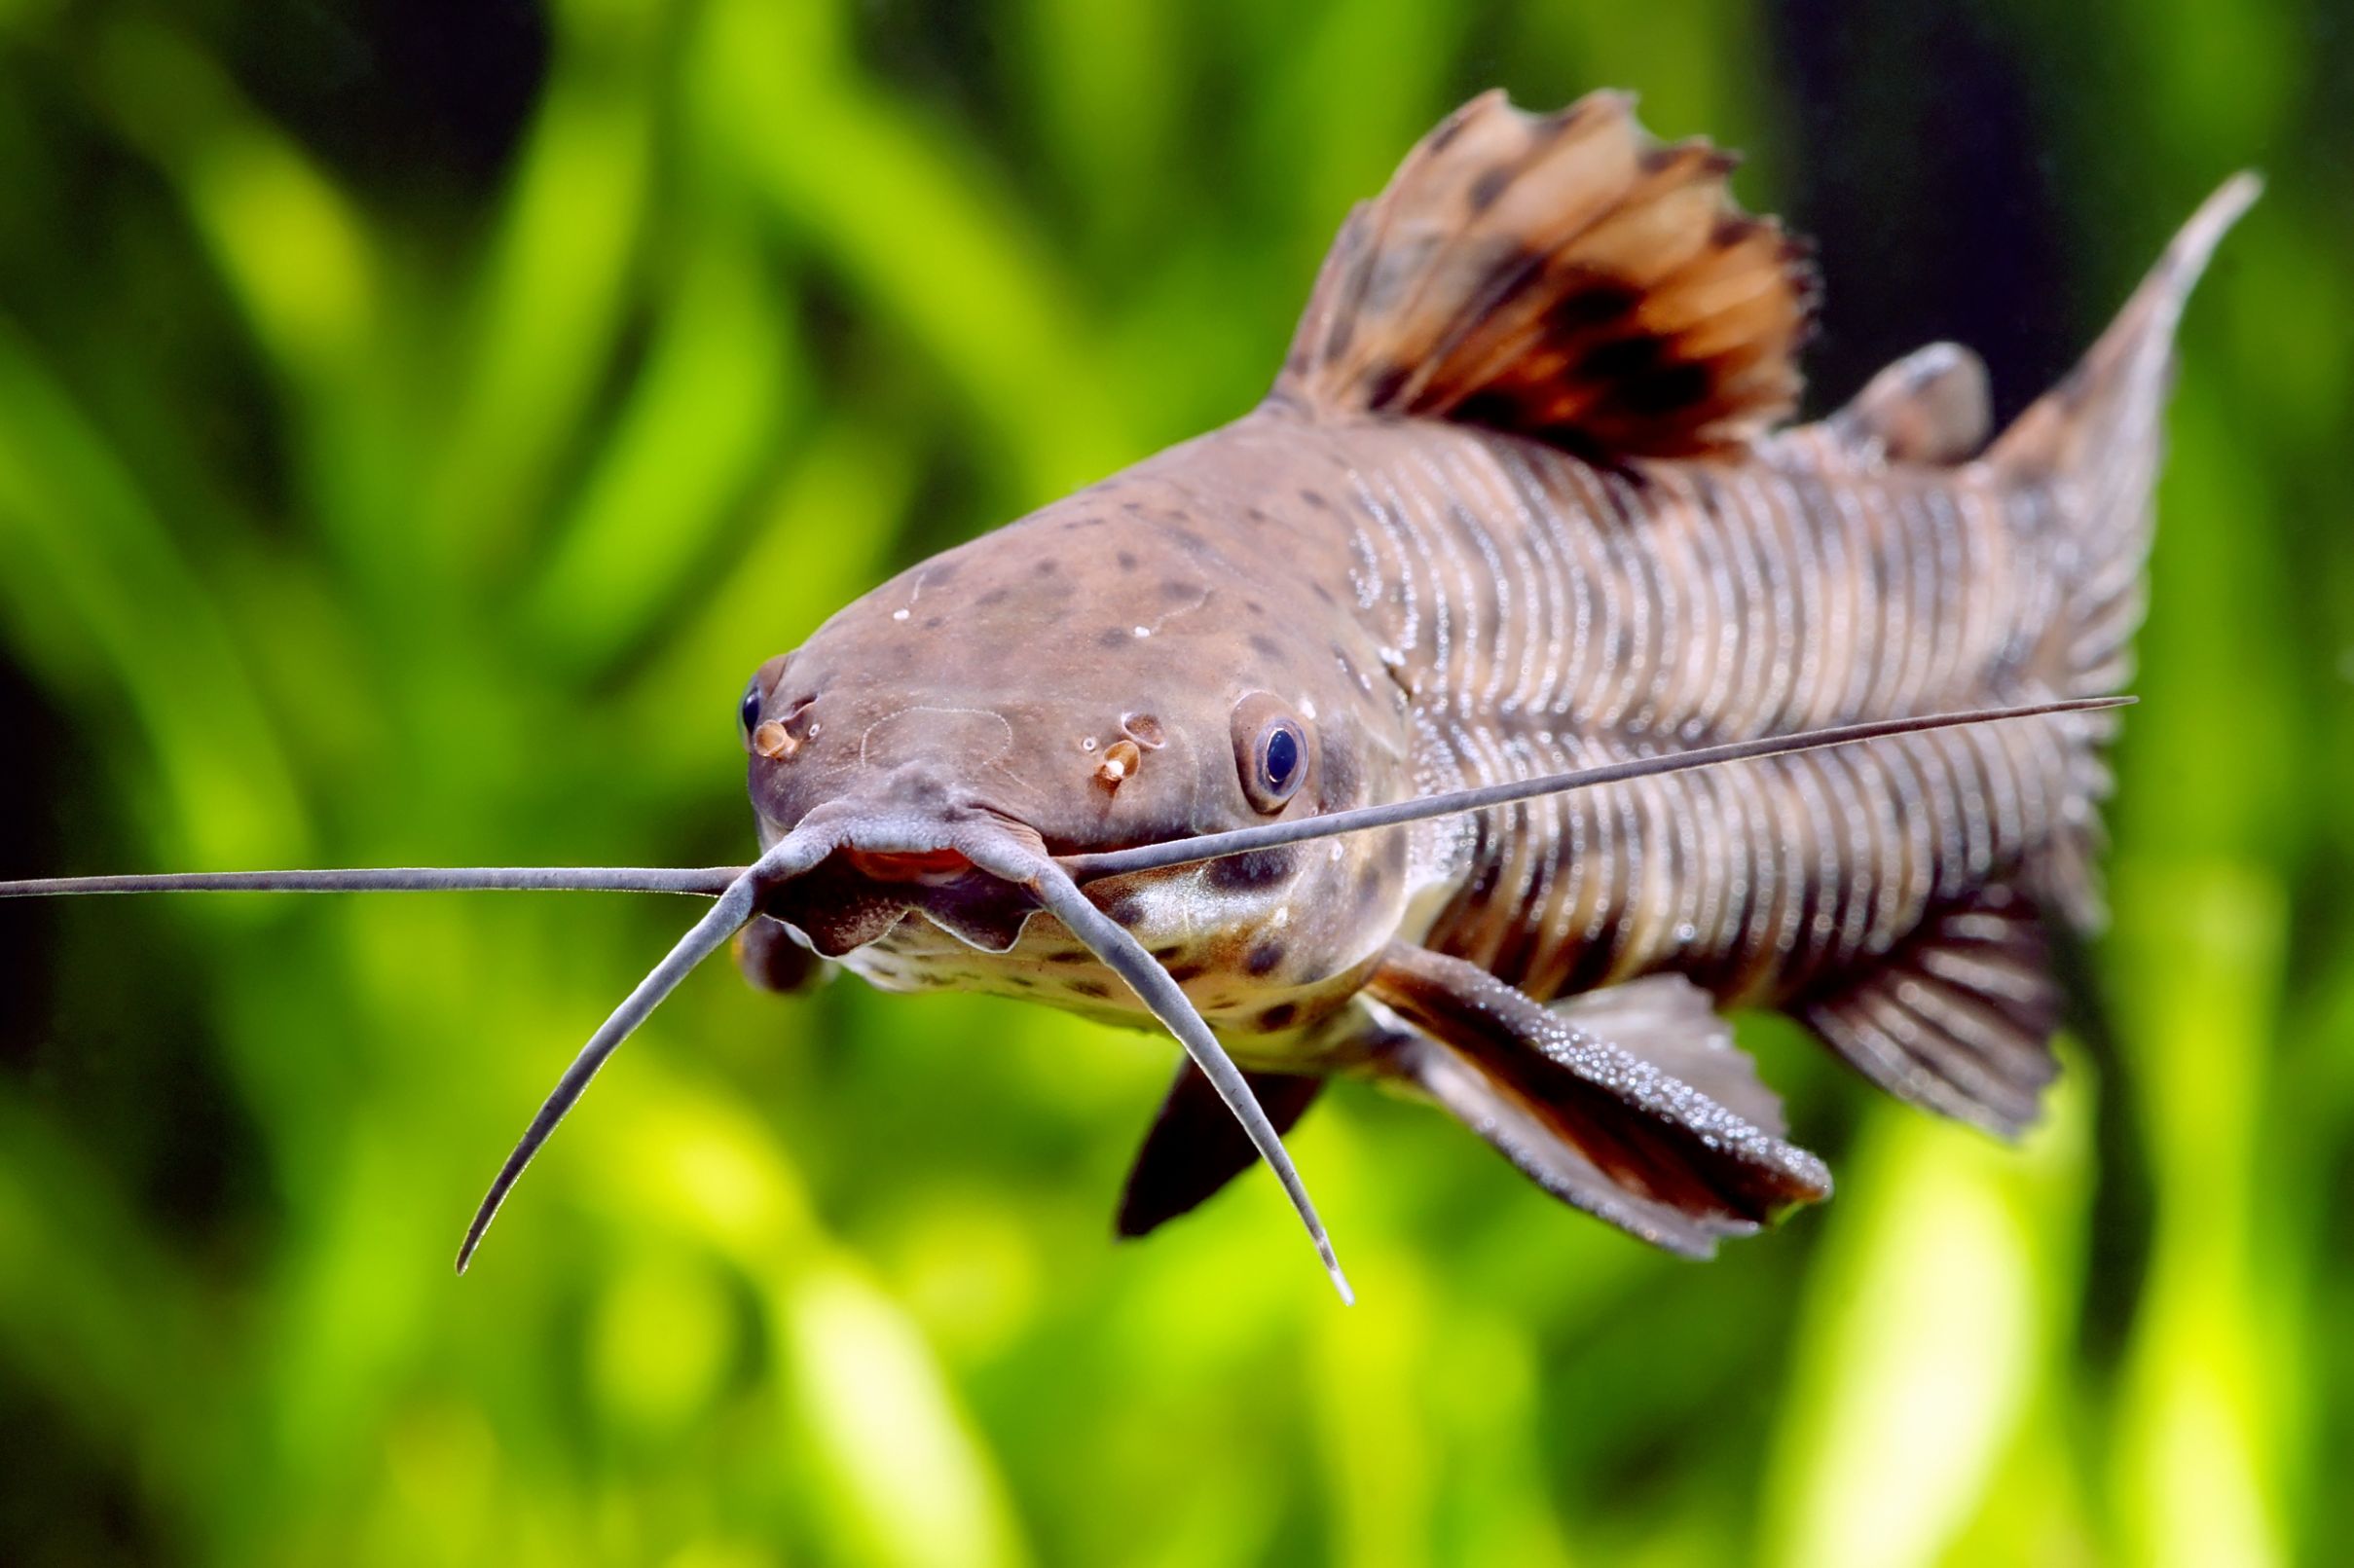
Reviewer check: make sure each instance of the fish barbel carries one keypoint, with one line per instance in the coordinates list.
(1522, 503)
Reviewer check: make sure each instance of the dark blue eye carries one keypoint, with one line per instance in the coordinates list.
(1273, 753)
(1279, 759)
(1282, 764)
(747, 712)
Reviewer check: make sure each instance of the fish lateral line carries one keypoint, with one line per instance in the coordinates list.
(1423, 808)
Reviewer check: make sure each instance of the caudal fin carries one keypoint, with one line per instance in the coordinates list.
(2093, 443)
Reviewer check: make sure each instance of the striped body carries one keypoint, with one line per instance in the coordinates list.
(1546, 614)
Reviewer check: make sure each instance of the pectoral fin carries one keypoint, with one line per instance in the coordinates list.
(1195, 1147)
(1609, 1125)
(1674, 1025)
(772, 959)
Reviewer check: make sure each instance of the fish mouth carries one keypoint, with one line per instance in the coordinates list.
(930, 869)
(874, 873)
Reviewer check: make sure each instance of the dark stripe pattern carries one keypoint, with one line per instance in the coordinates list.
(1548, 614)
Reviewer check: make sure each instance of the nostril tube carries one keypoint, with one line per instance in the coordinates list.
(773, 741)
(1120, 760)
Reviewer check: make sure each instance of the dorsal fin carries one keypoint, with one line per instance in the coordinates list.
(1562, 276)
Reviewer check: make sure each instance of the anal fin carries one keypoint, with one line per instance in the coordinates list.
(1601, 1123)
(1959, 1018)
(1195, 1146)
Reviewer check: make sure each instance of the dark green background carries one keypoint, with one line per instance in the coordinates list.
(416, 421)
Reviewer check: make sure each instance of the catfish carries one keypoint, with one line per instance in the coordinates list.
(1509, 695)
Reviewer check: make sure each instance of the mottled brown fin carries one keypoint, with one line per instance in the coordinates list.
(1195, 1147)
(1562, 276)
(1959, 1018)
(1929, 407)
(1596, 1124)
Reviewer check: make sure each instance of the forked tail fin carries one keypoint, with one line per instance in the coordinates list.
(2093, 443)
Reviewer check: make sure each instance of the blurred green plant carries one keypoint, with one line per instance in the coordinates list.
(350, 519)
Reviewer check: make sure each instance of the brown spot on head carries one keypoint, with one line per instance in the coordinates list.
(1116, 636)
(1279, 1016)
(1263, 957)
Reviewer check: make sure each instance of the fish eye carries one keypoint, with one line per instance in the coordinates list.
(1271, 749)
(747, 712)
(756, 692)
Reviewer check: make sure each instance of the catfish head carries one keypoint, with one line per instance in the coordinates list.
(1107, 674)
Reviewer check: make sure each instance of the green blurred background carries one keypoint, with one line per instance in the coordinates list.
(416, 420)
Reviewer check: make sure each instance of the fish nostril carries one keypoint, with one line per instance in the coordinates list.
(1144, 729)
(773, 741)
(1120, 759)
